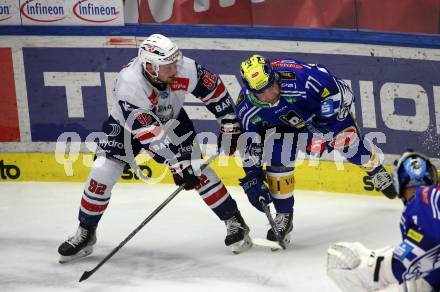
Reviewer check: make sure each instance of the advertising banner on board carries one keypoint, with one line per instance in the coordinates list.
(70, 90)
(61, 12)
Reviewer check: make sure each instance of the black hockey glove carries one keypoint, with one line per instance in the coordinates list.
(183, 173)
(229, 131)
(254, 187)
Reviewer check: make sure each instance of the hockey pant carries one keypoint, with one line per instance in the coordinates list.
(107, 168)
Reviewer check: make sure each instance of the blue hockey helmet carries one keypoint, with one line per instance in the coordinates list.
(413, 169)
(257, 74)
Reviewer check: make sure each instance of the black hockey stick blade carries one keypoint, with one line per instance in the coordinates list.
(272, 223)
(86, 275)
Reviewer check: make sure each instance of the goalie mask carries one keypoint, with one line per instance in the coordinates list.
(158, 50)
(413, 169)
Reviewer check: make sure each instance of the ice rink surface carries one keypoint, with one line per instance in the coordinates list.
(182, 248)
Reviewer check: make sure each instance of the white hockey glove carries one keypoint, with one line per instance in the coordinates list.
(354, 268)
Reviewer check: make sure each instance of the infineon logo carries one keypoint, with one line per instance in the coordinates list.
(91, 12)
(39, 12)
(5, 12)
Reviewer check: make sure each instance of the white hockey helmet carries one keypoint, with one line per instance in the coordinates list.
(158, 50)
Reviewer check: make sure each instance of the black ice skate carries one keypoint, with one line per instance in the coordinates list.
(77, 246)
(284, 225)
(237, 236)
(383, 181)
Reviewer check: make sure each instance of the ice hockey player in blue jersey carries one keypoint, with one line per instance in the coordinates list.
(415, 263)
(281, 101)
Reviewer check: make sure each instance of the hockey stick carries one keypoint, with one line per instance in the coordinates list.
(87, 274)
(272, 223)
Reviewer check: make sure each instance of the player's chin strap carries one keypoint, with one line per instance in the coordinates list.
(273, 225)
(87, 274)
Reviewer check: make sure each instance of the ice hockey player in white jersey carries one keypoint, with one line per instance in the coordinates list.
(149, 95)
(415, 263)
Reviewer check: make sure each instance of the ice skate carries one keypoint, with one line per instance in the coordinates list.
(237, 234)
(284, 225)
(77, 246)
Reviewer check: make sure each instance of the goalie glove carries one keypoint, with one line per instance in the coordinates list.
(354, 268)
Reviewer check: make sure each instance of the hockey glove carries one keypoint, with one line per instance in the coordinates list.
(183, 173)
(353, 267)
(229, 131)
(254, 187)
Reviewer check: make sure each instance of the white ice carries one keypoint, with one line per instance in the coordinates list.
(182, 248)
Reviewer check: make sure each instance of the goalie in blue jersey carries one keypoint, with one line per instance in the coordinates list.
(415, 263)
(282, 101)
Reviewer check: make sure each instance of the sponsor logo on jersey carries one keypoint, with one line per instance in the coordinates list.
(281, 109)
(414, 235)
(327, 108)
(287, 64)
(256, 119)
(209, 80)
(242, 110)
(126, 106)
(325, 93)
(289, 99)
(402, 251)
(292, 119)
(153, 98)
(116, 130)
(5, 12)
(183, 150)
(180, 83)
(9, 171)
(111, 143)
(90, 12)
(287, 75)
(344, 139)
(144, 119)
(288, 85)
(223, 105)
(163, 95)
(39, 12)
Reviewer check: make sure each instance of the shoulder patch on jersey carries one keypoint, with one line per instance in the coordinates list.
(180, 83)
(287, 75)
(414, 235)
(209, 79)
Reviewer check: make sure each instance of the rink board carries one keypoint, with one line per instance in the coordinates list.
(310, 175)
(57, 84)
